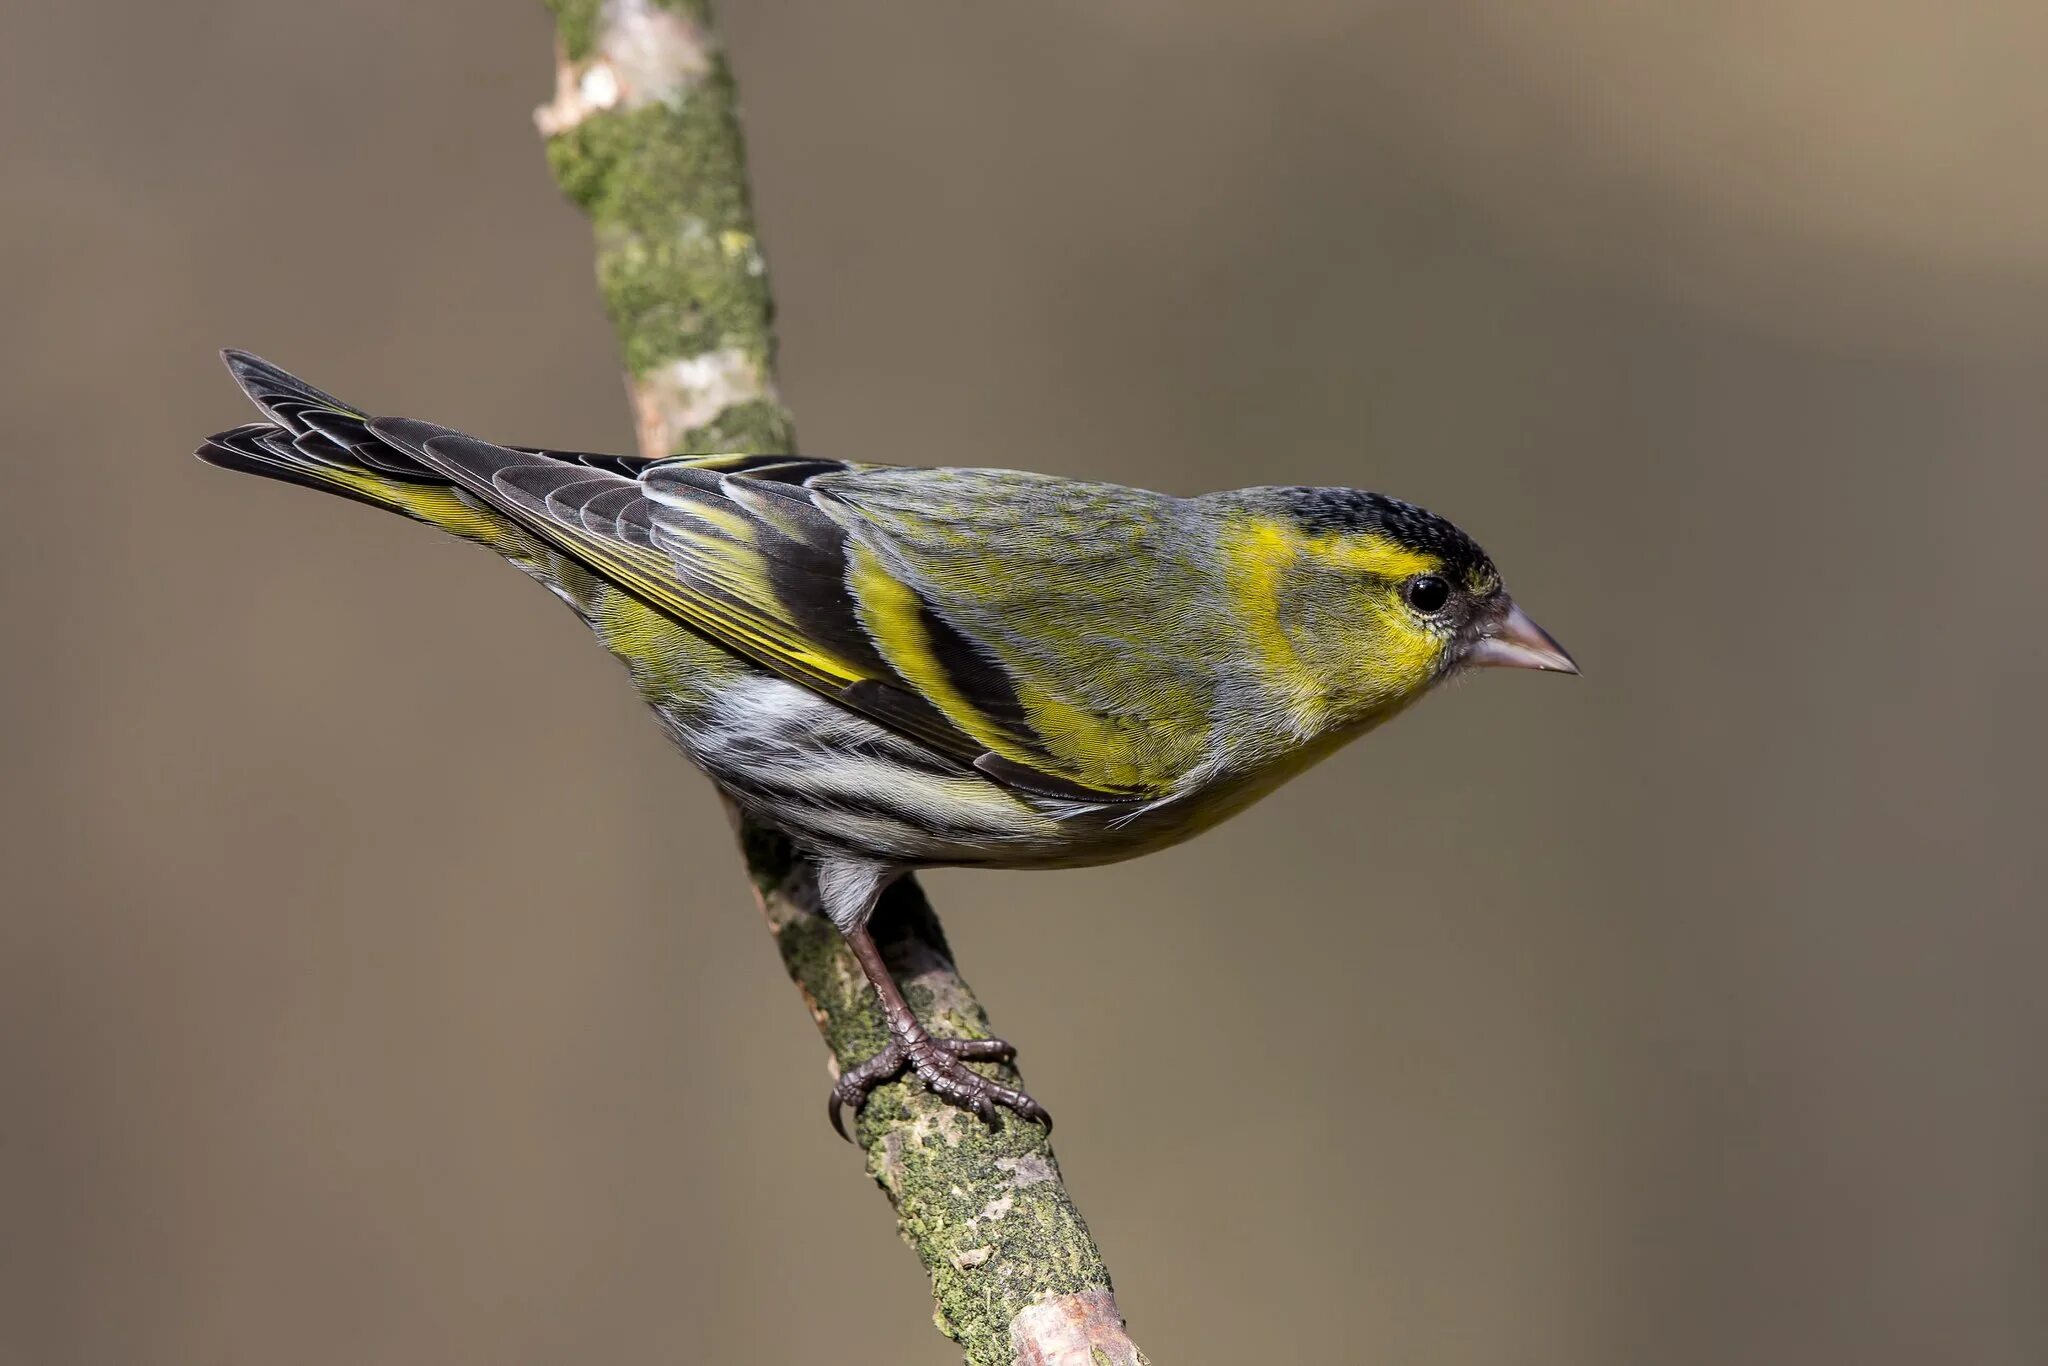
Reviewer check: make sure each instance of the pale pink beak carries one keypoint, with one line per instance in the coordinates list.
(1515, 642)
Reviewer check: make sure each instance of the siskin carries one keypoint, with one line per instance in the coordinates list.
(903, 668)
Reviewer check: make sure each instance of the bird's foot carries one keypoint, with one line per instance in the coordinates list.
(941, 1064)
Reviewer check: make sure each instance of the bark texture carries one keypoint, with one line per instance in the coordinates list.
(643, 134)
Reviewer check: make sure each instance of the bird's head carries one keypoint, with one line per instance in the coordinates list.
(1357, 603)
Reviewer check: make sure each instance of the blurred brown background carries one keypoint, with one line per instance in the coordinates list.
(378, 987)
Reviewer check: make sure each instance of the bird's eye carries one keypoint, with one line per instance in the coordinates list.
(1427, 594)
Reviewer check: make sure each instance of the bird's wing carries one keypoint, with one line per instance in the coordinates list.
(753, 553)
(1072, 624)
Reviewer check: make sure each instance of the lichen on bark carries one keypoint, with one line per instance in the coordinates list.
(577, 21)
(983, 1206)
(644, 137)
(643, 134)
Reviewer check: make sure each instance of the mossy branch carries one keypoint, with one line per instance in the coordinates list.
(643, 134)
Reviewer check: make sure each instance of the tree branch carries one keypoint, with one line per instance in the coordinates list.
(643, 133)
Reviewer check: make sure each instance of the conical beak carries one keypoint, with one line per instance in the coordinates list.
(1515, 642)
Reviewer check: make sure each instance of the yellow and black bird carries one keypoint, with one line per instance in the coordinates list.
(903, 668)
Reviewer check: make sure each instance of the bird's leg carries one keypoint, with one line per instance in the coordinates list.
(940, 1063)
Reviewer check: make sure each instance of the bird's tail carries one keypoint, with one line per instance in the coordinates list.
(315, 440)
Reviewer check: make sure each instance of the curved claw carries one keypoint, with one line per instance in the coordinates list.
(1034, 1111)
(1020, 1104)
(855, 1082)
(832, 1113)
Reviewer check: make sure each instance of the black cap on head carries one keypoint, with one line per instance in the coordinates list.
(1352, 511)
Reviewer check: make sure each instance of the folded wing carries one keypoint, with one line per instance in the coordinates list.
(776, 558)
